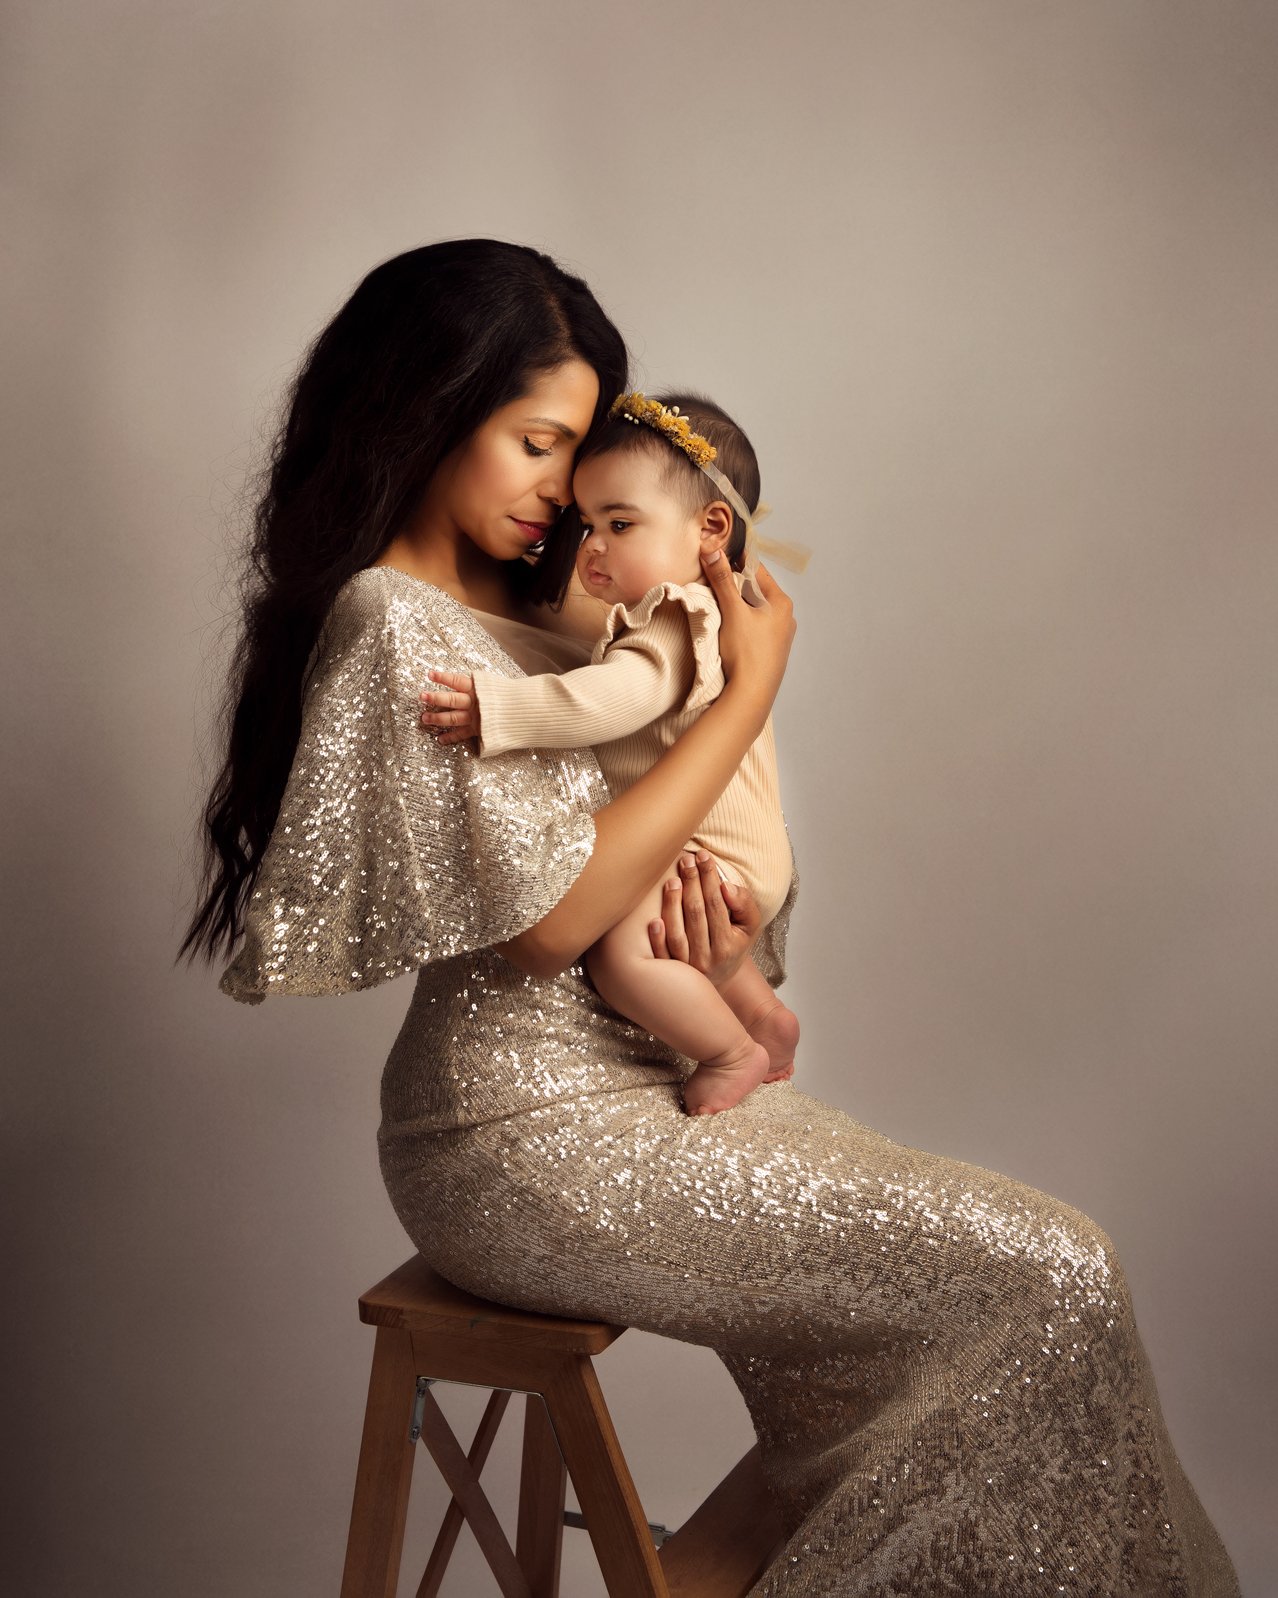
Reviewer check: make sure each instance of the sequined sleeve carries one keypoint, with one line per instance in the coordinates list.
(391, 850)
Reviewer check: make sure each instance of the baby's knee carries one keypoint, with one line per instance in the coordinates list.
(611, 960)
(606, 954)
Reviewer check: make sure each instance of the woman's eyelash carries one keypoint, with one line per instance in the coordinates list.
(534, 449)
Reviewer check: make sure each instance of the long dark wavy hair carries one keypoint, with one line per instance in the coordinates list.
(428, 346)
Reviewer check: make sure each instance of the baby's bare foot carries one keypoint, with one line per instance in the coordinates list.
(725, 1080)
(777, 1028)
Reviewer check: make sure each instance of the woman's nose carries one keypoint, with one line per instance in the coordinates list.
(557, 486)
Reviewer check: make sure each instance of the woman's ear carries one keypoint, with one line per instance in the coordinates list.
(716, 526)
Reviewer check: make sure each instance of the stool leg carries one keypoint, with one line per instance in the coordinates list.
(543, 1482)
(609, 1502)
(385, 1472)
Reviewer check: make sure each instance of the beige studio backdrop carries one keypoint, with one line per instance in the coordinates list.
(991, 284)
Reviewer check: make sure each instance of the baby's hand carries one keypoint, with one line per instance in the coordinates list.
(453, 715)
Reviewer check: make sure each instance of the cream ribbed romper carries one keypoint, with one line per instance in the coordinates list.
(652, 673)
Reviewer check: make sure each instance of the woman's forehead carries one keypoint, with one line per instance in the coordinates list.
(565, 395)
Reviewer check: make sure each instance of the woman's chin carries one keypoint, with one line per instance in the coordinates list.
(508, 549)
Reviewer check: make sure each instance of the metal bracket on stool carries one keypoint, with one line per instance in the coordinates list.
(419, 1407)
(660, 1534)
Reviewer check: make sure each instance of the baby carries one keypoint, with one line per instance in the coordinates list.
(662, 481)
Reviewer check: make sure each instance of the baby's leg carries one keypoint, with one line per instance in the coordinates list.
(765, 1018)
(681, 1006)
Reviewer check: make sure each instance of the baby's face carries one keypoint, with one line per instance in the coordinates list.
(637, 534)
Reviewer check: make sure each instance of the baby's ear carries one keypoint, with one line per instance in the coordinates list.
(716, 526)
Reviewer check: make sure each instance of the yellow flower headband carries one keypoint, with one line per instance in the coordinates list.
(636, 407)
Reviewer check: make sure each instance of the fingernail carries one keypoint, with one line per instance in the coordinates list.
(712, 557)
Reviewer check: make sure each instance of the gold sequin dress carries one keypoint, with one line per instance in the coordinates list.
(941, 1364)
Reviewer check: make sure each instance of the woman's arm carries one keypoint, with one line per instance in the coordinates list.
(639, 833)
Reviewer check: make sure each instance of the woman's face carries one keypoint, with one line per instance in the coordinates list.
(505, 486)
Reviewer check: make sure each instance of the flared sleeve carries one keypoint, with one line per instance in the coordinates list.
(391, 850)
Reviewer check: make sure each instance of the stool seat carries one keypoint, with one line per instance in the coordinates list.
(428, 1331)
(416, 1298)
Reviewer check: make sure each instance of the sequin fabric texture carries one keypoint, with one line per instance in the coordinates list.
(942, 1364)
(390, 851)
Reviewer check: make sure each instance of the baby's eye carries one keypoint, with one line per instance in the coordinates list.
(618, 526)
(534, 449)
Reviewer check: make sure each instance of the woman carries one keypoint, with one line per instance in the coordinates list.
(942, 1365)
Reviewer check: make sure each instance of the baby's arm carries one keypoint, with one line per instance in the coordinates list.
(643, 675)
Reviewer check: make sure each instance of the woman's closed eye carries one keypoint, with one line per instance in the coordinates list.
(535, 449)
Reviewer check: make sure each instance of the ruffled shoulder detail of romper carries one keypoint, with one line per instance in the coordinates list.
(391, 850)
(701, 609)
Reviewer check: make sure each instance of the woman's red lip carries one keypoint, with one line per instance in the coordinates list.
(536, 531)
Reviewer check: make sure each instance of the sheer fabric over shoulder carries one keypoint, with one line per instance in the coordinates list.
(942, 1364)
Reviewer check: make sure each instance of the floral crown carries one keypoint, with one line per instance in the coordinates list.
(666, 420)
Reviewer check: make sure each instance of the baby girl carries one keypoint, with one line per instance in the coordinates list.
(660, 483)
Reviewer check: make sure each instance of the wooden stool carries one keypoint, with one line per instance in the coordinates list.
(428, 1331)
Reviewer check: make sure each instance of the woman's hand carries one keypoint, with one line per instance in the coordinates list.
(705, 922)
(754, 640)
(452, 715)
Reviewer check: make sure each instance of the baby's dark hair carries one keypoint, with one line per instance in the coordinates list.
(735, 458)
